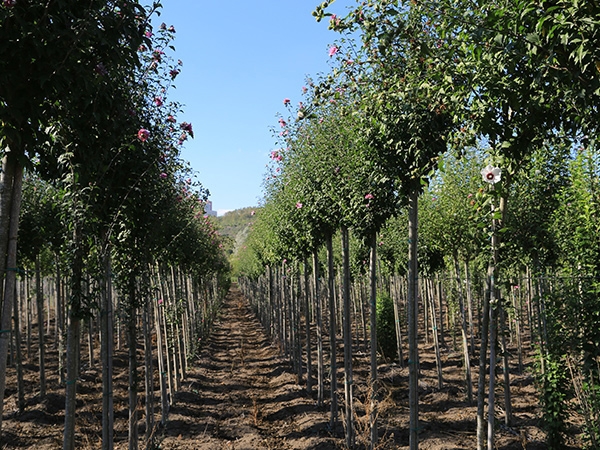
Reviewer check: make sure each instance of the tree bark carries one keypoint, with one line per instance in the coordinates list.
(348, 379)
(308, 336)
(40, 313)
(319, 314)
(73, 339)
(413, 354)
(12, 187)
(332, 334)
(373, 325)
(106, 350)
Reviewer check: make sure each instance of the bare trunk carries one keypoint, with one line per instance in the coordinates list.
(107, 344)
(319, 313)
(12, 187)
(40, 313)
(373, 325)
(413, 352)
(332, 334)
(463, 329)
(308, 337)
(348, 379)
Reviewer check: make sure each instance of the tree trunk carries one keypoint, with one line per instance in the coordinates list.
(396, 300)
(133, 375)
(18, 356)
(332, 334)
(373, 325)
(463, 329)
(319, 314)
(413, 352)
(348, 388)
(308, 337)
(148, 372)
(106, 350)
(12, 187)
(436, 342)
(73, 339)
(40, 313)
(506, 371)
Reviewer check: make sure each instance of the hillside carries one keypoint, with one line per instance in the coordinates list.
(236, 225)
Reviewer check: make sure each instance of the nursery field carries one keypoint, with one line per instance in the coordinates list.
(240, 393)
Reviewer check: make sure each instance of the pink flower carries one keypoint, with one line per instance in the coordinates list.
(143, 134)
(163, 175)
(173, 73)
(275, 156)
(187, 127)
(282, 123)
(304, 89)
(148, 34)
(298, 205)
(252, 213)
(163, 26)
(286, 101)
(142, 48)
(333, 50)
(160, 301)
(171, 29)
(158, 101)
(369, 197)
(171, 119)
(10, 3)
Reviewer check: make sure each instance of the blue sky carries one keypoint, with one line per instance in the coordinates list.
(240, 60)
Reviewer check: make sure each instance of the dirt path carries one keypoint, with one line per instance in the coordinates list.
(242, 394)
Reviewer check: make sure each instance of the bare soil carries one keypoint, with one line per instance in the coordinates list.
(241, 393)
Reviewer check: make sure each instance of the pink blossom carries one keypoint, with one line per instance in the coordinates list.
(286, 101)
(282, 122)
(369, 197)
(160, 301)
(173, 73)
(157, 55)
(163, 26)
(252, 213)
(333, 50)
(143, 134)
(187, 127)
(171, 29)
(298, 205)
(10, 3)
(171, 119)
(275, 156)
(158, 101)
(304, 89)
(163, 175)
(148, 34)
(142, 48)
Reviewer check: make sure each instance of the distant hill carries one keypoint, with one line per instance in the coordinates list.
(236, 225)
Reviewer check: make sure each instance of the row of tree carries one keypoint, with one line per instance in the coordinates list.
(432, 89)
(91, 165)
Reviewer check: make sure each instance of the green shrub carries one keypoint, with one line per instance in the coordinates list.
(386, 330)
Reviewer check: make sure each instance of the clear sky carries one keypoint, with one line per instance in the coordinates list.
(241, 58)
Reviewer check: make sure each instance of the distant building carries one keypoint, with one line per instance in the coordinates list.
(208, 209)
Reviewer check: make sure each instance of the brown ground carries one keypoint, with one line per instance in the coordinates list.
(242, 394)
